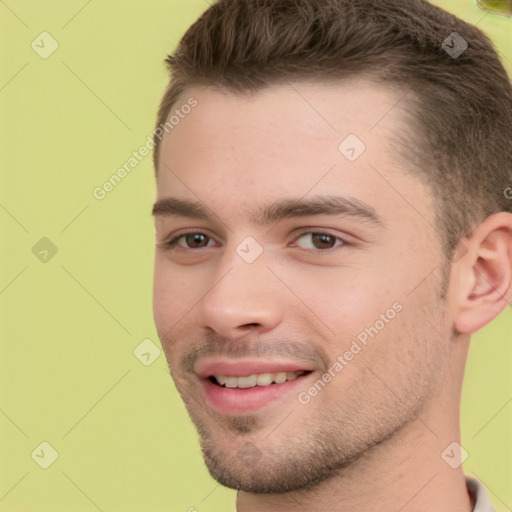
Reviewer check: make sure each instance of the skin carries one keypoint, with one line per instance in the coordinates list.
(372, 438)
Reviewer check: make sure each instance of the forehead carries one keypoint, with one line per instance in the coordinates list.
(281, 117)
(232, 151)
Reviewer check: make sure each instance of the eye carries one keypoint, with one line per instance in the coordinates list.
(320, 241)
(190, 241)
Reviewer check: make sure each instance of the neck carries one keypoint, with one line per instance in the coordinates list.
(409, 476)
(405, 473)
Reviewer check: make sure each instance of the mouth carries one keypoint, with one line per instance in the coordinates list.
(251, 381)
(234, 387)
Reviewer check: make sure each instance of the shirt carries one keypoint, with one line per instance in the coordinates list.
(479, 492)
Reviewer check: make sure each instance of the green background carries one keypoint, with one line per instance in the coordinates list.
(70, 324)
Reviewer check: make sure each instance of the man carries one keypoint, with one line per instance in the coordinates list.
(332, 225)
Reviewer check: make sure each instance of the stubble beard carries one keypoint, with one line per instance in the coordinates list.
(262, 455)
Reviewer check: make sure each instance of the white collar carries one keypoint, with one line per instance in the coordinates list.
(482, 499)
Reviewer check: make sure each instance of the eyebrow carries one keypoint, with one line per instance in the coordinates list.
(274, 212)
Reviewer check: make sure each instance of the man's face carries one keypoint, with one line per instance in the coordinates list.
(273, 282)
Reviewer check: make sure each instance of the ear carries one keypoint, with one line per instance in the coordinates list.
(483, 275)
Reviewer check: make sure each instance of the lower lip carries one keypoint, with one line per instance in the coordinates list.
(239, 401)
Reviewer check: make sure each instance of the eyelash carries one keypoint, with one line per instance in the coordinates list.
(170, 244)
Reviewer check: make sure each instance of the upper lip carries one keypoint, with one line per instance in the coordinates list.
(207, 367)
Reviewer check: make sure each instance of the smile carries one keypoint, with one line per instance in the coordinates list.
(250, 381)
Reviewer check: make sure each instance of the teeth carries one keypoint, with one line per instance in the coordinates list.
(247, 382)
(221, 380)
(264, 379)
(260, 379)
(231, 382)
(280, 378)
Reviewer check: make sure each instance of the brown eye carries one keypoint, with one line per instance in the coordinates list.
(320, 241)
(190, 241)
(196, 240)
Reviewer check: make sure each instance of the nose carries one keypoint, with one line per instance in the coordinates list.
(243, 297)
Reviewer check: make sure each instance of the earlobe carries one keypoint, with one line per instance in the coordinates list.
(485, 274)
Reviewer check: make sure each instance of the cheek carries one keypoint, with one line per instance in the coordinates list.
(346, 300)
(171, 310)
(358, 313)
(172, 296)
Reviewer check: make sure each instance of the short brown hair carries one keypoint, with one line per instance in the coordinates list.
(460, 122)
